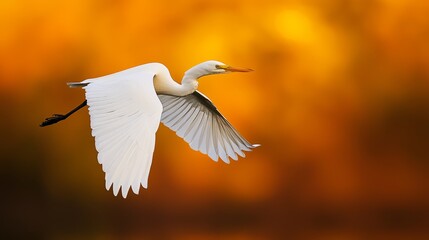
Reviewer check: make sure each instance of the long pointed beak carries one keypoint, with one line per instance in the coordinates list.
(237, 69)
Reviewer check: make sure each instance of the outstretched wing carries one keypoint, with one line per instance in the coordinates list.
(195, 119)
(125, 113)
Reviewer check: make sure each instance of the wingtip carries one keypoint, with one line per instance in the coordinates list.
(124, 192)
(226, 160)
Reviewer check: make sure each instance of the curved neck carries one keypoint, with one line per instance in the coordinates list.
(164, 84)
(195, 72)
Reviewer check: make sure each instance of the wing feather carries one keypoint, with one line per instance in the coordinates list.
(125, 113)
(195, 119)
(186, 124)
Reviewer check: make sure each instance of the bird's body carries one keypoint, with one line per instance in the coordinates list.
(125, 111)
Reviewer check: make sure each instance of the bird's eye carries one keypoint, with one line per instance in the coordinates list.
(221, 66)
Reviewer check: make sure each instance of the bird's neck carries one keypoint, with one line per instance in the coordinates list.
(190, 81)
(164, 84)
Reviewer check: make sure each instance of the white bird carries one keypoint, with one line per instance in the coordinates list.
(126, 108)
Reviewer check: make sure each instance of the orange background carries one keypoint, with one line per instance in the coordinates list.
(339, 101)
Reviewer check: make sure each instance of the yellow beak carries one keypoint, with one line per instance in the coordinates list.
(234, 69)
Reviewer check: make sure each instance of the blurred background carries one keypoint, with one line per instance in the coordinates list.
(339, 101)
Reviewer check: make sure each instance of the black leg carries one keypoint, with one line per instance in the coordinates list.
(59, 117)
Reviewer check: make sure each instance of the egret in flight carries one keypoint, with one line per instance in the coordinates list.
(126, 108)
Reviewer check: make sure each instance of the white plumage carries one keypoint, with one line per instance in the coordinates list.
(125, 111)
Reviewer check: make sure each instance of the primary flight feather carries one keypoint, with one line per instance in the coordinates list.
(126, 108)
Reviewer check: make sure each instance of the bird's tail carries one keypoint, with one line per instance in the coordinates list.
(76, 84)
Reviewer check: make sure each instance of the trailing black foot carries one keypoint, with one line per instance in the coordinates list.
(54, 119)
(59, 117)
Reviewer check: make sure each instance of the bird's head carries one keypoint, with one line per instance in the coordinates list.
(213, 67)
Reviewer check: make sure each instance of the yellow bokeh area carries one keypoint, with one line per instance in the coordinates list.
(339, 101)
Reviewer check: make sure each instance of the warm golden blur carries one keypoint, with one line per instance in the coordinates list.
(339, 101)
